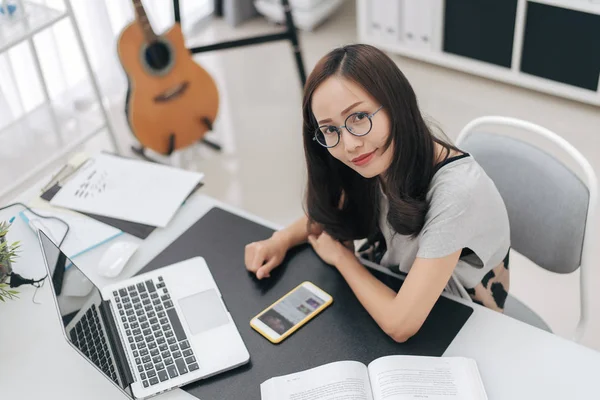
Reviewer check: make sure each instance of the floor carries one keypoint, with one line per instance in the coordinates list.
(261, 168)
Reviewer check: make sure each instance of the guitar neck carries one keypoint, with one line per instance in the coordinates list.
(142, 18)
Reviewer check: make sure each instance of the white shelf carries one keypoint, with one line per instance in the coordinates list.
(42, 137)
(490, 71)
(31, 144)
(37, 18)
(514, 76)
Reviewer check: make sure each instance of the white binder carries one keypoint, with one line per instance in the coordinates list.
(417, 21)
(425, 25)
(392, 31)
(410, 19)
(377, 19)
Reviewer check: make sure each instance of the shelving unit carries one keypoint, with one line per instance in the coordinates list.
(57, 122)
(39, 17)
(527, 23)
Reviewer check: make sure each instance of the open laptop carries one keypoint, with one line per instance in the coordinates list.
(152, 332)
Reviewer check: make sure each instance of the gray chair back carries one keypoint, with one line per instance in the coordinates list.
(547, 203)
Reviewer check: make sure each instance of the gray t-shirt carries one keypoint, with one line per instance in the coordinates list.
(465, 212)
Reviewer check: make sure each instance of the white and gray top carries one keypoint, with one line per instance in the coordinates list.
(466, 212)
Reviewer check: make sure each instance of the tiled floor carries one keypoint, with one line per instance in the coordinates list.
(262, 168)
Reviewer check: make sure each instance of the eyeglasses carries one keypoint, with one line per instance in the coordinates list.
(358, 124)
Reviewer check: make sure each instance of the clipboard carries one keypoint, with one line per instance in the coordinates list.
(141, 231)
(136, 229)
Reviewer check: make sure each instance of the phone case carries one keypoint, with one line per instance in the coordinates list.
(299, 324)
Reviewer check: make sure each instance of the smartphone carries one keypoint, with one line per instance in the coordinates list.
(290, 312)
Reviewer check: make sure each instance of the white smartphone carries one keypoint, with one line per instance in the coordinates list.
(290, 312)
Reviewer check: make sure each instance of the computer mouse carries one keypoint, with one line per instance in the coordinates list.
(115, 258)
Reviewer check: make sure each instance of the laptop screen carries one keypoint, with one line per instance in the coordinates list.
(78, 300)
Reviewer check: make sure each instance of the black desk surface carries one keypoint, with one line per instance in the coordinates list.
(344, 331)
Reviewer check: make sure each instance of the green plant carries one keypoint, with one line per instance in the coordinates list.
(8, 255)
(7, 293)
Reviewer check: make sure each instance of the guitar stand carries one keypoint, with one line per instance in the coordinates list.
(141, 150)
(288, 34)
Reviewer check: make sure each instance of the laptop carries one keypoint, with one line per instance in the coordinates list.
(149, 333)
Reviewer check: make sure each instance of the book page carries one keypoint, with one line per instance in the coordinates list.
(432, 378)
(343, 380)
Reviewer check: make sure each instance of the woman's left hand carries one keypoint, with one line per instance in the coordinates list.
(330, 250)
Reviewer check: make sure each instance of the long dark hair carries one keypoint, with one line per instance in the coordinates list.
(343, 202)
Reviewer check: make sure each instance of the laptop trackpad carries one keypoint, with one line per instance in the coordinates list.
(203, 311)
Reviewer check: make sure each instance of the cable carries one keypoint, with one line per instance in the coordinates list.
(41, 216)
(17, 280)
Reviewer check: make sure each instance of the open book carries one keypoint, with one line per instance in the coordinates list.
(386, 378)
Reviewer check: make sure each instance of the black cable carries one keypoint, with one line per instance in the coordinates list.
(41, 216)
(17, 280)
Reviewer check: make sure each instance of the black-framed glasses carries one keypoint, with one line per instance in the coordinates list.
(358, 124)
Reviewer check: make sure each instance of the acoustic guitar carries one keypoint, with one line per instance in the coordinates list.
(171, 100)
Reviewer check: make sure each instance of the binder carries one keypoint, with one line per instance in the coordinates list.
(392, 25)
(418, 24)
(425, 25)
(411, 20)
(377, 19)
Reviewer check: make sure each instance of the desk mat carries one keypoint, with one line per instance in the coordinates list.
(344, 331)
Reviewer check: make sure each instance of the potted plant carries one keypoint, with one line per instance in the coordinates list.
(8, 254)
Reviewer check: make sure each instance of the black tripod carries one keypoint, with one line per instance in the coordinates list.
(288, 34)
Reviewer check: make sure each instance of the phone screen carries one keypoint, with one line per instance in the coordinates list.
(291, 310)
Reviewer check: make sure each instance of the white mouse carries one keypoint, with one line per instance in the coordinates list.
(115, 258)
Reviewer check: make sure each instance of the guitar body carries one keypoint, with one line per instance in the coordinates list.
(171, 101)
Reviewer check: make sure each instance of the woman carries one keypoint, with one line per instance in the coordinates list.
(376, 171)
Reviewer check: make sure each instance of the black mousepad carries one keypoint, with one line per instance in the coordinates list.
(344, 331)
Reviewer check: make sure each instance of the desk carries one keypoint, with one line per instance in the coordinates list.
(516, 361)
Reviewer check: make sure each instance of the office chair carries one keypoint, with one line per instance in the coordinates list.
(551, 211)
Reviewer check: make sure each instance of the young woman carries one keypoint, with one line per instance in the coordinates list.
(377, 171)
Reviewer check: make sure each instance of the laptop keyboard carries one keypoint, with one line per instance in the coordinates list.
(154, 332)
(88, 337)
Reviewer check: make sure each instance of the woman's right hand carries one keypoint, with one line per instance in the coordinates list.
(262, 257)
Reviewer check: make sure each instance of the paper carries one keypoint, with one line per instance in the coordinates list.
(343, 380)
(386, 378)
(131, 190)
(433, 378)
(84, 233)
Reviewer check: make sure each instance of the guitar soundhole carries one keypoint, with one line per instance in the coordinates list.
(158, 55)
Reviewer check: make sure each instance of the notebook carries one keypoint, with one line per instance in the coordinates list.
(84, 233)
